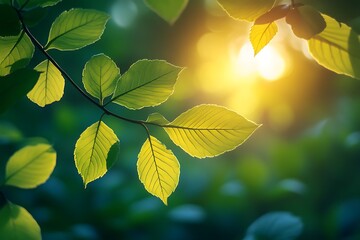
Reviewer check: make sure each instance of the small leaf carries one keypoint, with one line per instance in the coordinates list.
(96, 151)
(76, 28)
(275, 226)
(209, 130)
(169, 10)
(147, 83)
(17, 224)
(337, 48)
(15, 86)
(261, 35)
(50, 86)
(37, 3)
(158, 169)
(15, 53)
(9, 21)
(274, 14)
(157, 118)
(246, 9)
(30, 166)
(305, 21)
(100, 76)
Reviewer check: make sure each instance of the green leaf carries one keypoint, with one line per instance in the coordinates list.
(15, 53)
(337, 48)
(246, 9)
(15, 86)
(275, 226)
(76, 28)
(17, 224)
(50, 86)
(34, 16)
(209, 130)
(9, 21)
(261, 35)
(6, 2)
(146, 83)
(30, 166)
(157, 118)
(96, 151)
(305, 21)
(169, 10)
(38, 3)
(158, 169)
(100, 76)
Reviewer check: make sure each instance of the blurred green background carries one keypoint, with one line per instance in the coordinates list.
(305, 159)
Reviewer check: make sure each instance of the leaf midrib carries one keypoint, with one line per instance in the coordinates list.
(14, 46)
(156, 167)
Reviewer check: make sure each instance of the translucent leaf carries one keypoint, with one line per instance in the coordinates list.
(157, 118)
(275, 226)
(169, 10)
(30, 166)
(274, 14)
(15, 53)
(158, 169)
(337, 48)
(96, 151)
(15, 86)
(209, 130)
(9, 21)
(38, 3)
(246, 9)
(50, 86)
(146, 83)
(261, 35)
(100, 76)
(17, 224)
(76, 29)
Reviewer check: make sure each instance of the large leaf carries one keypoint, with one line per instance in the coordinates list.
(100, 76)
(15, 53)
(158, 169)
(261, 35)
(17, 224)
(169, 10)
(37, 3)
(146, 83)
(96, 151)
(274, 14)
(76, 29)
(50, 86)
(209, 130)
(337, 48)
(15, 86)
(9, 21)
(246, 9)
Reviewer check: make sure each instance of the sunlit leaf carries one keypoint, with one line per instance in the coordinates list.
(15, 86)
(96, 151)
(15, 53)
(169, 10)
(37, 3)
(337, 48)
(30, 166)
(246, 9)
(146, 83)
(17, 224)
(157, 118)
(261, 35)
(275, 226)
(158, 169)
(9, 21)
(50, 86)
(76, 29)
(274, 14)
(209, 130)
(100, 76)
(305, 21)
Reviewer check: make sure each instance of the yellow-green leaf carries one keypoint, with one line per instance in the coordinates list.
(209, 130)
(169, 10)
(337, 48)
(37, 3)
(15, 53)
(50, 86)
(147, 83)
(96, 151)
(76, 29)
(30, 166)
(99, 76)
(157, 118)
(246, 9)
(17, 224)
(158, 169)
(261, 35)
